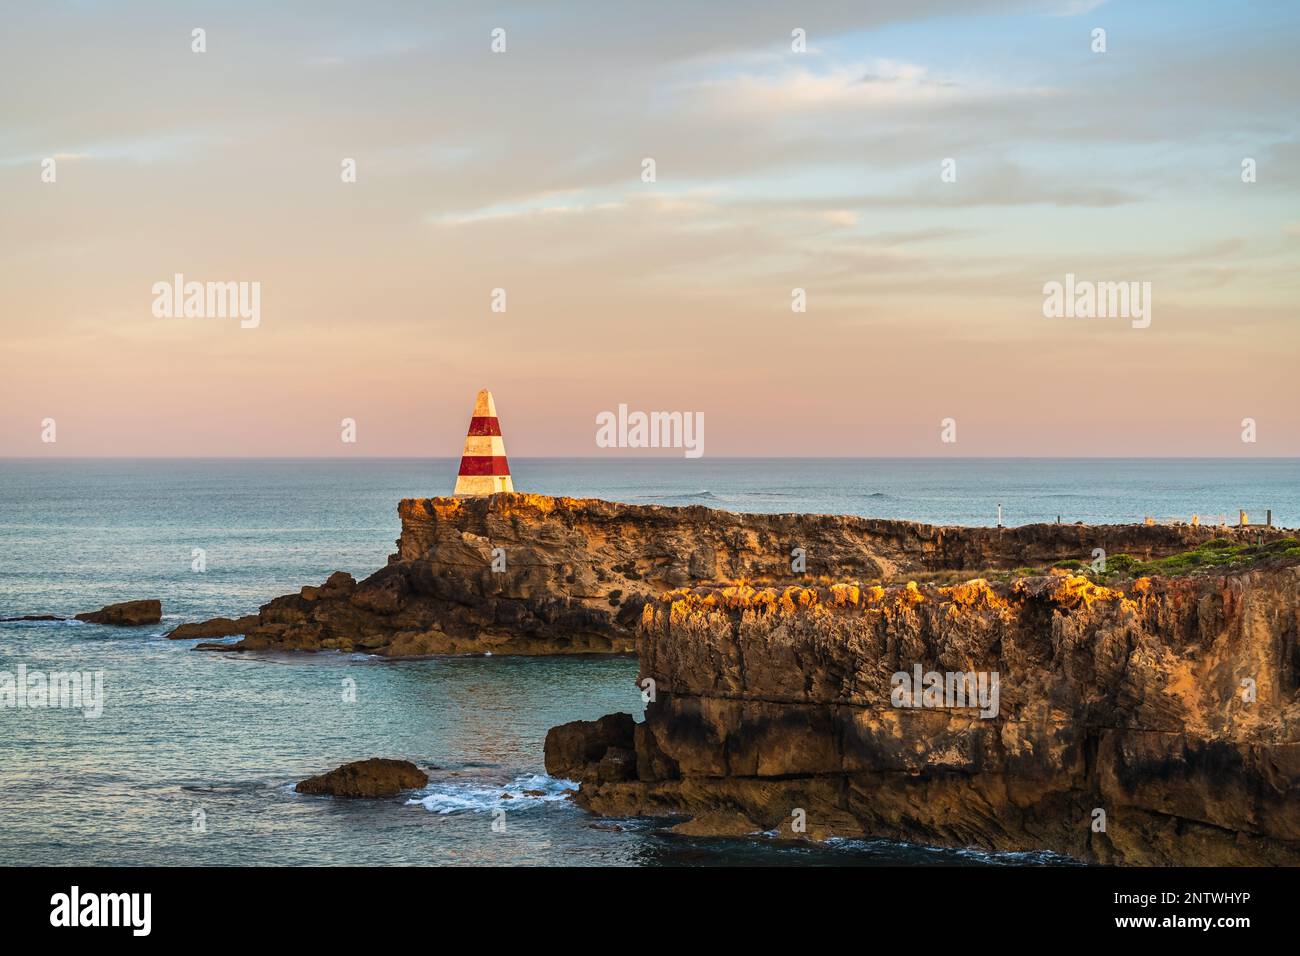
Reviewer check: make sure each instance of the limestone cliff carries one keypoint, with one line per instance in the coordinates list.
(532, 574)
(1152, 723)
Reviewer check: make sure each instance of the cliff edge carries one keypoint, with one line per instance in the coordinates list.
(533, 574)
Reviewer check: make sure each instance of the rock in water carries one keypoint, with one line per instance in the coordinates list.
(376, 777)
(126, 614)
(596, 750)
(217, 627)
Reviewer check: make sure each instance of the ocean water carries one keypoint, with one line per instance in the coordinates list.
(194, 757)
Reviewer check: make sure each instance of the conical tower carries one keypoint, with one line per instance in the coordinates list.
(484, 469)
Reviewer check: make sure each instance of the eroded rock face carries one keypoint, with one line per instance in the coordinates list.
(125, 614)
(376, 777)
(532, 574)
(1169, 706)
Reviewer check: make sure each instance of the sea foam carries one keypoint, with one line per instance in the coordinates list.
(454, 796)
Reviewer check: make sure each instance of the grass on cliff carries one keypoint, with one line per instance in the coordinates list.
(1218, 554)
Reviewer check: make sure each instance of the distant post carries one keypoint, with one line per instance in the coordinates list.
(999, 516)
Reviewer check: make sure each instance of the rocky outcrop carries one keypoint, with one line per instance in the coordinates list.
(217, 627)
(532, 574)
(410, 609)
(1154, 723)
(376, 777)
(126, 614)
(601, 750)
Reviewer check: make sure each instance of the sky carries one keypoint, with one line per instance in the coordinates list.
(774, 170)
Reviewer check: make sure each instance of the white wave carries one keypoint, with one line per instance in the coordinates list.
(454, 796)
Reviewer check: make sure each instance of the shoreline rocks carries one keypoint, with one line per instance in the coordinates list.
(366, 779)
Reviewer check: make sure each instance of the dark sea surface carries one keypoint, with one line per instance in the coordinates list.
(190, 738)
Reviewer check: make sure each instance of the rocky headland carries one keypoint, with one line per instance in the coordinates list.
(532, 574)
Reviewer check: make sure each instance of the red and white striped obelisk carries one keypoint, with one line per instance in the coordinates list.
(483, 468)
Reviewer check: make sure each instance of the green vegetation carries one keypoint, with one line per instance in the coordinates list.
(1218, 554)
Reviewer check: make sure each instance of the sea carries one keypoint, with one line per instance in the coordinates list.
(194, 757)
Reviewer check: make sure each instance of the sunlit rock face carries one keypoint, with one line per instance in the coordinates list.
(1152, 723)
(532, 574)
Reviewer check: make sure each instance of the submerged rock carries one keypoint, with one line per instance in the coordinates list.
(125, 614)
(376, 777)
(217, 627)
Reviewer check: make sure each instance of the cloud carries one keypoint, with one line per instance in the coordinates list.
(874, 84)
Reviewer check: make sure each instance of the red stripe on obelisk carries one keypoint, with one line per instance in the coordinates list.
(484, 465)
(484, 426)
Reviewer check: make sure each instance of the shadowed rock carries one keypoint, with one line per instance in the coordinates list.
(597, 750)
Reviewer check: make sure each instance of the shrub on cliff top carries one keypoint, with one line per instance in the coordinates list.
(1217, 554)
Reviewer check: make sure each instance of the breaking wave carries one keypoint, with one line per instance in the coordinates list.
(453, 796)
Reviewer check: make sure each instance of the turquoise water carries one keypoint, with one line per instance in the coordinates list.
(226, 736)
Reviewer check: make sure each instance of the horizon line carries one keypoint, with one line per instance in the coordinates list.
(653, 458)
